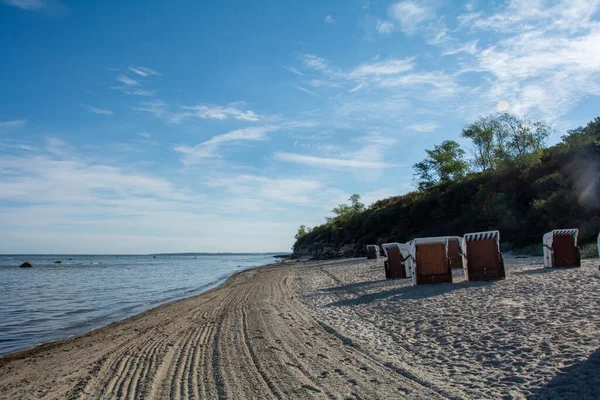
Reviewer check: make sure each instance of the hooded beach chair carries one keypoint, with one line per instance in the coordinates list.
(430, 261)
(560, 248)
(482, 259)
(454, 252)
(372, 252)
(396, 265)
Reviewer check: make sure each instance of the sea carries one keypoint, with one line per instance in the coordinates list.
(55, 301)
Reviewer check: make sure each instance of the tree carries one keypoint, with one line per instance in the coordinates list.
(488, 142)
(303, 230)
(445, 163)
(344, 212)
(524, 135)
(500, 138)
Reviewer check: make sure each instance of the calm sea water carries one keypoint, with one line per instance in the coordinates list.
(56, 301)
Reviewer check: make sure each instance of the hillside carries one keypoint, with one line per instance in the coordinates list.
(522, 198)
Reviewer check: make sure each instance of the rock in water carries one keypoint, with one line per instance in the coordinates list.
(58, 262)
(26, 264)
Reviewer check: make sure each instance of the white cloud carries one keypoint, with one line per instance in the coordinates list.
(548, 58)
(144, 134)
(221, 113)
(293, 70)
(17, 123)
(160, 109)
(330, 20)
(124, 79)
(469, 48)
(32, 5)
(134, 91)
(305, 90)
(207, 149)
(326, 162)
(315, 62)
(424, 127)
(384, 27)
(387, 67)
(143, 71)
(410, 15)
(95, 110)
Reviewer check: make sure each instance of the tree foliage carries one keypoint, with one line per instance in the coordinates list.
(344, 212)
(445, 163)
(505, 139)
(303, 230)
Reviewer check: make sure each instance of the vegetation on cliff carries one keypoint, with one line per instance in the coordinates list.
(512, 183)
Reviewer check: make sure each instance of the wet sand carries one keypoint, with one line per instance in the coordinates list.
(337, 329)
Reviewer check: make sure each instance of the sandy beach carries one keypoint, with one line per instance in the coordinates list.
(337, 329)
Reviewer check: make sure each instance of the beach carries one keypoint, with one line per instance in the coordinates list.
(338, 329)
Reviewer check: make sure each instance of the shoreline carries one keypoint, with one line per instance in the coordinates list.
(44, 345)
(337, 329)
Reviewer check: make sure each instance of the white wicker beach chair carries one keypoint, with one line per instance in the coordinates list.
(482, 259)
(560, 248)
(430, 260)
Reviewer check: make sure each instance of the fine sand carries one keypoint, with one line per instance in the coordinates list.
(338, 330)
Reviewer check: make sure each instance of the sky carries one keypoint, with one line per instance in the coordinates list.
(140, 127)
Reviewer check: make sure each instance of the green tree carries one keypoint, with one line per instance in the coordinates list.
(303, 230)
(524, 135)
(344, 212)
(489, 142)
(501, 138)
(445, 163)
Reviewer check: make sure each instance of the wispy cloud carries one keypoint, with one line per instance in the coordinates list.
(315, 62)
(144, 135)
(221, 113)
(384, 27)
(305, 90)
(293, 70)
(199, 152)
(233, 110)
(143, 71)
(386, 67)
(32, 5)
(326, 162)
(424, 128)
(329, 19)
(410, 15)
(96, 110)
(17, 123)
(134, 91)
(124, 79)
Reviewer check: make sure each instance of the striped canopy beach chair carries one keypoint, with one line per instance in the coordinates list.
(482, 259)
(430, 261)
(560, 248)
(372, 252)
(396, 265)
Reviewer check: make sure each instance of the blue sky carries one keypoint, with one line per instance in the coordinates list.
(137, 127)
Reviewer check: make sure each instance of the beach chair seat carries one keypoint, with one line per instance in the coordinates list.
(372, 252)
(395, 265)
(430, 257)
(482, 259)
(560, 249)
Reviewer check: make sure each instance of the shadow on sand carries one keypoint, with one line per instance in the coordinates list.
(399, 293)
(579, 381)
(541, 270)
